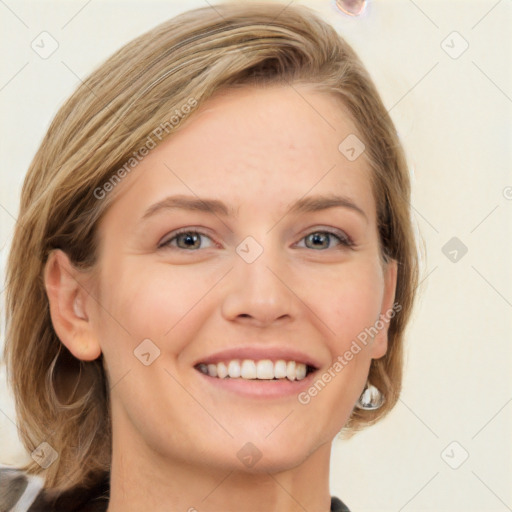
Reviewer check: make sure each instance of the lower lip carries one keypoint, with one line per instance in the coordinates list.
(254, 388)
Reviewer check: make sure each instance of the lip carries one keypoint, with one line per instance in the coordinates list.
(255, 388)
(258, 354)
(261, 389)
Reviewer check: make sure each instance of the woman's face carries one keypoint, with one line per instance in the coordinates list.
(268, 271)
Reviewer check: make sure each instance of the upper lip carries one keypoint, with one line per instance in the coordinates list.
(259, 353)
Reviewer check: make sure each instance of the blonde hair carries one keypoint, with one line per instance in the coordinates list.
(102, 126)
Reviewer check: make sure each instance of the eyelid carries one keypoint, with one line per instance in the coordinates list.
(344, 238)
(173, 234)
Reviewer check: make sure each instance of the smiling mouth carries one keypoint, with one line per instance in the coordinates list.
(248, 369)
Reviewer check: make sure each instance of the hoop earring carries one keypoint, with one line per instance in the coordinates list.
(371, 398)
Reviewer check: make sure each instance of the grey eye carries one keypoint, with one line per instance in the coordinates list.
(187, 240)
(322, 240)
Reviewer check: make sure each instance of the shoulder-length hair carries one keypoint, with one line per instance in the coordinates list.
(103, 125)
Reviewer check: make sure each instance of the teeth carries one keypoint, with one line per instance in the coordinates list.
(248, 370)
(212, 370)
(300, 371)
(234, 369)
(280, 369)
(290, 370)
(264, 369)
(222, 371)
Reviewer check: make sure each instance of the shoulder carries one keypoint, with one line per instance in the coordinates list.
(77, 499)
(18, 489)
(337, 505)
(21, 492)
(24, 493)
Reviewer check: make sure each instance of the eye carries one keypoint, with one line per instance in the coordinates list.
(322, 239)
(186, 239)
(191, 240)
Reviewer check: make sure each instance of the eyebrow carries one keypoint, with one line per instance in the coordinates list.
(214, 206)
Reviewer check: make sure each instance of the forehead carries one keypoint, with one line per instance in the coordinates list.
(254, 146)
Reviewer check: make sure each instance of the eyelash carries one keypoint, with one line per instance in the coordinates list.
(344, 239)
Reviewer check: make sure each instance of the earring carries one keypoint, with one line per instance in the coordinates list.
(371, 398)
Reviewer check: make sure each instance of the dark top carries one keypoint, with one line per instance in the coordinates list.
(14, 487)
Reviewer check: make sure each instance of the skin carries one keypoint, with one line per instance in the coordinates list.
(175, 438)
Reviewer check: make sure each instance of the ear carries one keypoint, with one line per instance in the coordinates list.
(388, 310)
(67, 297)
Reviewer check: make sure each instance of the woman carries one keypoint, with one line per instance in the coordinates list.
(212, 270)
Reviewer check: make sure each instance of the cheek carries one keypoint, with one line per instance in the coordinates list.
(350, 303)
(152, 301)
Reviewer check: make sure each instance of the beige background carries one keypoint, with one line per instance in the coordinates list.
(454, 116)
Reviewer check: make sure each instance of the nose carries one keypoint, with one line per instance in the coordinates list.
(260, 293)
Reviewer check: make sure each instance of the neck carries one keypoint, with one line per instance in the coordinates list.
(144, 480)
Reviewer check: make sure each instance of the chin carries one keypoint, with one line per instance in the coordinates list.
(260, 457)
(277, 463)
